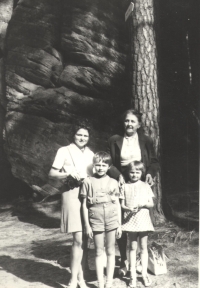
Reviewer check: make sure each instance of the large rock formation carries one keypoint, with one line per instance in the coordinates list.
(65, 63)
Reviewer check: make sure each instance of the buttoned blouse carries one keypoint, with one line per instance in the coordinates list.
(70, 158)
(130, 150)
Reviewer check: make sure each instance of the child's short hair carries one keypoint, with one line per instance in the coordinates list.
(102, 156)
(136, 164)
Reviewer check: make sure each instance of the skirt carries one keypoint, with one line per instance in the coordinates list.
(139, 222)
(71, 211)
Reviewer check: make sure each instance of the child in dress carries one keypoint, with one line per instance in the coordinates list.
(137, 198)
(102, 213)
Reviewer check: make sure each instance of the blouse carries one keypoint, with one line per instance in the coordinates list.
(71, 158)
(130, 150)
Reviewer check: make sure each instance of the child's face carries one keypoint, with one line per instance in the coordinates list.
(101, 168)
(135, 174)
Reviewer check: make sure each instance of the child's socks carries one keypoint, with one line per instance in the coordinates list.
(109, 283)
(100, 283)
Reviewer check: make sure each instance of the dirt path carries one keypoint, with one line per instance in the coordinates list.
(30, 248)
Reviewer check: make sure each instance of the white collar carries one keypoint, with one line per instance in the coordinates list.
(135, 136)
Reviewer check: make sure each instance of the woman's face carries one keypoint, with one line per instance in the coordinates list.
(81, 138)
(131, 124)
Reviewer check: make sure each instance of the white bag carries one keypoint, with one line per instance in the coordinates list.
(156, 261)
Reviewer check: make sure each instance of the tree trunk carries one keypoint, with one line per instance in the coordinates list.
(144, 80)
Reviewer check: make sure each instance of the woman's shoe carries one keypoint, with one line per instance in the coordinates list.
(82, 284)
(123, 271)
(147, 281)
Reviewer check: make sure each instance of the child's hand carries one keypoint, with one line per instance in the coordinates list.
(119, 232)
(135, 209)
(88, 231)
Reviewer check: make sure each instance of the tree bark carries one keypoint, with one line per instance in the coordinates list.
(144, 81)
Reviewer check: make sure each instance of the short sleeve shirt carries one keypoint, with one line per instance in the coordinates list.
(74, 160)
(99, 187)
(138, 192)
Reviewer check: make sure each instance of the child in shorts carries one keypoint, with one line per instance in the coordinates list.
(102, 213)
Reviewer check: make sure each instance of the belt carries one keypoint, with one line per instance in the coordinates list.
(100, 204)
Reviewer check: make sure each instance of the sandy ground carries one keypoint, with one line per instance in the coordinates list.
(31, 246)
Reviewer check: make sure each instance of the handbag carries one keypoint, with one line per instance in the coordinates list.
(70, 182)
(157, 259)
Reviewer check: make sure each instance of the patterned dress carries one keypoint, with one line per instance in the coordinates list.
(135, 194)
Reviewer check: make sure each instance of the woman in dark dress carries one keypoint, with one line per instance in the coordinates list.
(133, 145)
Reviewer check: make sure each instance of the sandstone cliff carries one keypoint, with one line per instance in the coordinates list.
(65, 63)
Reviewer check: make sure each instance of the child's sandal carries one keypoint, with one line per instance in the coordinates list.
(108, 284)
(132, 283)
(147, 281)
(100, 284)
(71, 285)
(82, 284)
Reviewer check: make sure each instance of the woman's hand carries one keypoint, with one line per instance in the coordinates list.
(119, 232)
(121, 181)
(149, 179)
(75, 175)
(88, 231)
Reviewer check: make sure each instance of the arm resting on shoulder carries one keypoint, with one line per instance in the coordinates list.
(154, 164)
(113, 172)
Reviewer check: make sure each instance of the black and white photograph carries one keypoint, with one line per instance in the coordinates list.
(99, 143)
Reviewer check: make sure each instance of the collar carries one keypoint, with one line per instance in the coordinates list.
(135, 136)
(99, 177)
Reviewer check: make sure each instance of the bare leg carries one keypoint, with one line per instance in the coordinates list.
(76, 257)
(143, 236)
(99, 248)
(110, 251)
(133, 250)
(82, 269)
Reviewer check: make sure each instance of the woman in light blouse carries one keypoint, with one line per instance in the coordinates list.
(133, 145)
(71, 165)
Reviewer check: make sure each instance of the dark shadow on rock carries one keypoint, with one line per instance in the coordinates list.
(32, 271)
